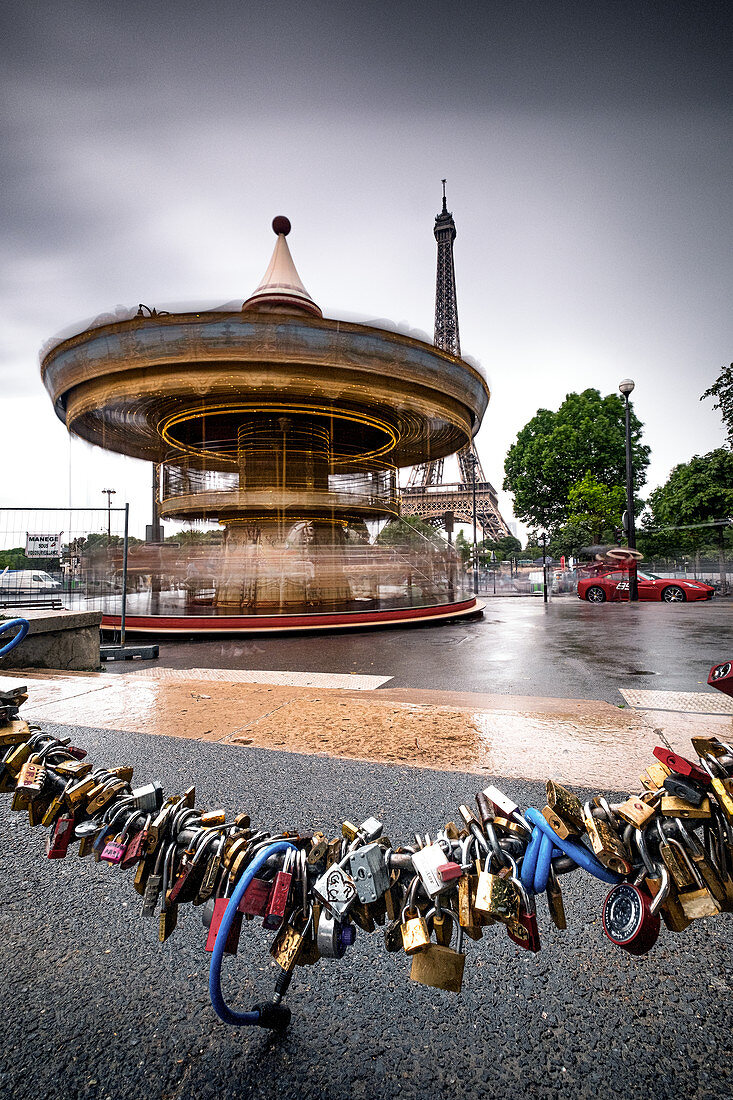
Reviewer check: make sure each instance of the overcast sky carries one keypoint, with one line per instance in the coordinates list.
(588, 151)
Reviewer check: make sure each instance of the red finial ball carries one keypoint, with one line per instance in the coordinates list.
(281, 224)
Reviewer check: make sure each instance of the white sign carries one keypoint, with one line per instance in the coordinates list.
(43, 546)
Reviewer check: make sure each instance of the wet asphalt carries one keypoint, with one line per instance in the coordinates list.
(96, 1008)
(564, 649)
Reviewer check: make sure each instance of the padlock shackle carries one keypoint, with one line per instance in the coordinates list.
(256, 1017)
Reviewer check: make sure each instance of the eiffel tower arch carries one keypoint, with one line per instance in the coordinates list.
(426, 494)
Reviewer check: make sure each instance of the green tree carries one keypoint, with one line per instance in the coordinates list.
(556, 449)
(464, 548)
(504, 548)
(697, 492)
(570, 539)
(404, 531)
(722, 389)
(597, 506)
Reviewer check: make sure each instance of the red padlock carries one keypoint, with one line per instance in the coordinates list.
(232, 944)
(58, 840)
(523, 929)
(628, 920)
(681, 765)
(277, 901)
(256, 896)
(450, 871)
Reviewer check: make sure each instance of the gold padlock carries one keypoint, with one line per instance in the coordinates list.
(440, 966)
(672, 806)
(415, 935)
(288, 943)
(565, 804)
(607, 846)
(496, 895)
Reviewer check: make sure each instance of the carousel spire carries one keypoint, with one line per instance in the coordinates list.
(281, 289)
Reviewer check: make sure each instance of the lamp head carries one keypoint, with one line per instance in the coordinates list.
(626, 386)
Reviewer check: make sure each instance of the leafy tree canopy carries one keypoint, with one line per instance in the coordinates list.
(555, 450)
(598, 506)
(722, 389)
(697, 491)
(406, 532)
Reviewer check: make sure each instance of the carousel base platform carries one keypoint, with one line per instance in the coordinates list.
(208, 625)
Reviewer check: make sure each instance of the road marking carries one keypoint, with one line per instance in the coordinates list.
(692, 702)
(347, 680)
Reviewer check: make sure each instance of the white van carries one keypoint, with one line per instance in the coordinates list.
(27, 582)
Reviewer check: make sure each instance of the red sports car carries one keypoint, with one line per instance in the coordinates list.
(614, 585)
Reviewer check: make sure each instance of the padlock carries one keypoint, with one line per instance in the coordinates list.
(336, 889)
(670, 909)
(523, 929)
(672, 806)
(439, 966)
(721, 786)
(470, 921)
(210, 876)
(114, 850)
(607, 845)
(332, 937)
(628, 919)
(426, 862)
(502, 803)
(442, 927)
(232, 941)
(255, 898)
(318, 849)
(147, 799)
(289, 941)
(29, 784)
(496, 894)
(681, 766)
(683, 787)
(393, 935)
(57, 842)
(78, 792)
(415, 934)
(277, 901)
(554, 901)
(561, 827)
(168, 919)
(634, 811)
(135, 850)
(369, 872)
(565, 804)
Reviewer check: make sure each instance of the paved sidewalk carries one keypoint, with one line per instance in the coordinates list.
(580, 741)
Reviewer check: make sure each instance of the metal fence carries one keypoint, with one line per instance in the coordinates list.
(65, 557)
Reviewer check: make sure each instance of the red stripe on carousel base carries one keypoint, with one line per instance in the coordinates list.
(240, 624)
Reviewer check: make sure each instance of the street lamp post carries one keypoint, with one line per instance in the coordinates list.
(110, 493)
(626, 387)
(472, 459)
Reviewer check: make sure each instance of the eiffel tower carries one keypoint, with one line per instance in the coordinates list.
(426, 494)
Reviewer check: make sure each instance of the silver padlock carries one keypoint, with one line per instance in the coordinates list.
(332, 938)
(336, 889)
(371, 829)
(147, 799)
(426, 862)
(369, 872)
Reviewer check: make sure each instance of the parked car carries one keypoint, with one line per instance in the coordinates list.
(28, 581)
(613, 584)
